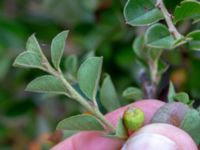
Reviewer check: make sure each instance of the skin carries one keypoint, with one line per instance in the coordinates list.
(95, 141)
(177, 139)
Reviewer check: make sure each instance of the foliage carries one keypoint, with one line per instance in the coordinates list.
(99, 30)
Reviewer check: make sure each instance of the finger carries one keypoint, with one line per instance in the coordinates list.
(149, 107)
(95, 141)
(160, 136)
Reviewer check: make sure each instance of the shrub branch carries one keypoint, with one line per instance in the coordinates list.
(168, 18)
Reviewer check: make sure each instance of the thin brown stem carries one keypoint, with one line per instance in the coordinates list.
(168, 18)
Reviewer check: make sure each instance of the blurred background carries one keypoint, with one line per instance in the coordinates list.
(28, 120)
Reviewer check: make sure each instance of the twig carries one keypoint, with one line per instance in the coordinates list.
(92, 108)
(168, 18)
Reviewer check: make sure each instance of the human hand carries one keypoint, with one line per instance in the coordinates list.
(95, 141)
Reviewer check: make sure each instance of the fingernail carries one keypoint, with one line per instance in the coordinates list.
(149, 141)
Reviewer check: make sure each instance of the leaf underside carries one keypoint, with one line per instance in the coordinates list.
(47, 84)
(89, 75)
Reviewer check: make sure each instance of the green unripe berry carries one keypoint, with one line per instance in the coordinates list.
(133, 118)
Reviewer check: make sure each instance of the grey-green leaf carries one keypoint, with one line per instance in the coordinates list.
(162, 67)
(139, 47)
(194, 44)
(108, 95)
(189, 9)
(28, 59)
(121, 131)
(158, 36)
(80, 123)
(47, 84)
(33, 45)
(182, 97)
(89, 76)
(171, 92)
(191, 124)
(57, 48)
(132, 93)
(71, 64)
(141, 12)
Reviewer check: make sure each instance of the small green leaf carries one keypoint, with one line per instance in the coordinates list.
(108, 95)
(191, 124)
(141, 12)
(71, 64)
(121, 131)
(171, 92)
(80, 123)
(155, 54)
(47, 84)
(158, 36)
(89, 75)
(162, 67)
(33, 45)
(132, 93)
(57, 48)
(139, 47)
(180, 41)
(182, 97)
(194, 44)
(28, 59)
(188, 9)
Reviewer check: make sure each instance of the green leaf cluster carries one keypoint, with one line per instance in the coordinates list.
(179, 97)
(87, 76)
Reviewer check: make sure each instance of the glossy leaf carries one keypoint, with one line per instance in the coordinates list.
(194, 44)
(141, 12)
(189, 9)
(89, 75)
(57, 48)
(132, 93)
(28, 59)
(162, 67)
(139, 47)
(80, 123)
(47, 84)
(191, 124)
(108, 95)
(155, 54)
(182, 97)
(158, 36)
